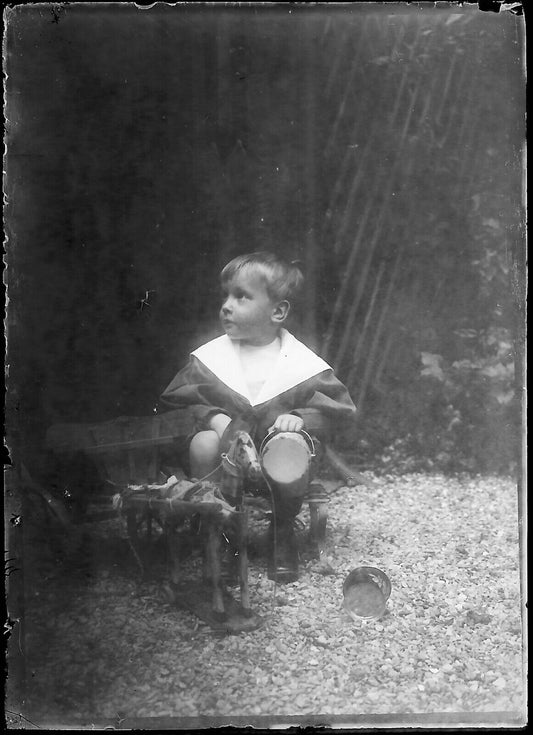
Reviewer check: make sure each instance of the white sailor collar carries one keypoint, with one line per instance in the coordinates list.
(295, 364)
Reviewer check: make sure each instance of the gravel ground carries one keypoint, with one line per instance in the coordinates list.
(101, 644)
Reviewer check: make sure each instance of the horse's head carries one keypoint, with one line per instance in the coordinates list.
(242, 454)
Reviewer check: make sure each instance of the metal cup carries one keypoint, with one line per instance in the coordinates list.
(286, 460)
(366, 591)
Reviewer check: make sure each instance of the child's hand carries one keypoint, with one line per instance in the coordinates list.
(287, 422)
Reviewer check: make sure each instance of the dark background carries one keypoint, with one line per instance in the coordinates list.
(381, 147)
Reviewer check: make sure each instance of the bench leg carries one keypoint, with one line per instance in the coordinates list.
(243, 562)
(213, 559)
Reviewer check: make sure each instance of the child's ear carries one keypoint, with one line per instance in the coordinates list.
(280, 312)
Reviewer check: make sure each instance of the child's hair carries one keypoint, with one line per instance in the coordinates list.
(282, 280)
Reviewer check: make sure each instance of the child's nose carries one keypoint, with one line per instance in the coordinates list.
(226, 306)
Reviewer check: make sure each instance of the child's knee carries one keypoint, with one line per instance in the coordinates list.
(205, 445)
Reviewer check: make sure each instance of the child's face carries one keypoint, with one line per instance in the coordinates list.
(247, 312)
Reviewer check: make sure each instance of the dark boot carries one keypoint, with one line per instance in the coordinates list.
(283, 553)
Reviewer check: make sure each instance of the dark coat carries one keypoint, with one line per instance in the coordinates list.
(322, 401)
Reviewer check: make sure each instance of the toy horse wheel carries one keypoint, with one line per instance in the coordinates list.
(319, 518)
(318, 511)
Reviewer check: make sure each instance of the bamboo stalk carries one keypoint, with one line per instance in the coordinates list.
(351, 260)
(340, 47)
(345, 279)
(468, 142)
(353, 253)
(223, 76)
(467, 132)
(379, 329)
(347, 89)
(405, 231)
(411, 108)
(446, 88)
(369, 90)
(468, 158)
(325, 30)
(359, 290)
(369, 140)
(429, 95)
(465, 106)
(368, 316)
(357, 179)
(348, 209)
(346, 161)
(364, 273)
(467, 129)
(352, 257)
(384, 356)
(468, 153)
(467, 192)
(369, 365)
(377, 336)
(400, 91)
(392, 121)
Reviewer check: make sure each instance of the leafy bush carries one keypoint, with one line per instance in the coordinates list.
(459, 415)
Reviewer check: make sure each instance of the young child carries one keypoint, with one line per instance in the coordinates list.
(259, 373)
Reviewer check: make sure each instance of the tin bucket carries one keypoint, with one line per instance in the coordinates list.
(286, 459)
(366, 591)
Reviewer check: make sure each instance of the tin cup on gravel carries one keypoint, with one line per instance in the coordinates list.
(366, 591)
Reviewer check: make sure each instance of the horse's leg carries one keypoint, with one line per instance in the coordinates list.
(243, 561)
(213, 558)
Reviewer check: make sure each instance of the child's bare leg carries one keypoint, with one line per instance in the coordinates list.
(204, 453)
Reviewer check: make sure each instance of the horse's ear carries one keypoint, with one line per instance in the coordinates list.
(239, 423)
(247, 439)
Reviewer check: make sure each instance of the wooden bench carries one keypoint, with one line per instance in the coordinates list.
(125, 453)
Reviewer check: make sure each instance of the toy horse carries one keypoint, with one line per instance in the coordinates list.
(239, 466)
